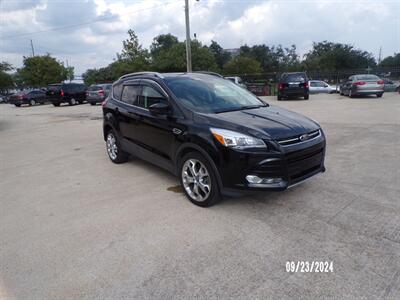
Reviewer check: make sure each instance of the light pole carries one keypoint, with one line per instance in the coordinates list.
(188, 46)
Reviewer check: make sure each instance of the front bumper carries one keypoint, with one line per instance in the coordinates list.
(293, 164)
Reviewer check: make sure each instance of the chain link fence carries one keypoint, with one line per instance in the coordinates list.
(265, 84)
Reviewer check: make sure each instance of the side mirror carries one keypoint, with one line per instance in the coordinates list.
(159, 108)
(326, 85)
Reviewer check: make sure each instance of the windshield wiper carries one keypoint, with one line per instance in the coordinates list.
(240, 108)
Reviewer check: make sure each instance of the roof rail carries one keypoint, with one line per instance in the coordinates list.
(209, 73)
(156, 74)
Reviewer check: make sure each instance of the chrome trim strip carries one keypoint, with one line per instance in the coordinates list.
(300, 142)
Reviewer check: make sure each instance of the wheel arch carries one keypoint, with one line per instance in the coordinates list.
(192, 147)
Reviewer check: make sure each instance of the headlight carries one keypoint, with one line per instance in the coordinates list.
(234, 139)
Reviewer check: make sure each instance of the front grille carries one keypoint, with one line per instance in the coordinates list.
(300, 138)
(305, 162)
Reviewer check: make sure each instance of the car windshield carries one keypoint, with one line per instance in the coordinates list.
(211, 94)
(367, 77)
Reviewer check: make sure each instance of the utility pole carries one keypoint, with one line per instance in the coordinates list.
(188, 46)
(33, 50)
(380, 56)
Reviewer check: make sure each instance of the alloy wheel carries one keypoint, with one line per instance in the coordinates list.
(32, 102)
(196, 180)
(112, 148)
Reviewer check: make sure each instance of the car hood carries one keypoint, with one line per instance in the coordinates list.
(265, 122)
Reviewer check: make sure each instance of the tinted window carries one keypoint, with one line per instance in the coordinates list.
(149, 96)
(94, 88)
(117, 89)
(298, 77)
(367, 77)
(313, 83)
(206, 93)
(130, 93)
(54, 87)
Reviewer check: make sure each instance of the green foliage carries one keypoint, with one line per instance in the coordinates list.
(242, 64)
(335, 56)
(221, 57)
(273, 58)
(6, 80)
(40, 71)
(391, 61)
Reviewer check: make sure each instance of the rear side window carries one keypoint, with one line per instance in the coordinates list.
(149, 96)
(130, 93)
(117, 89)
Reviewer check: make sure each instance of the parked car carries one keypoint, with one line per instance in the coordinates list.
(71, 93)
(28, 97)
(215, 136)
(293, 85)
(391, 86)
(237, 80)
(362, 84)
(97, 93)
(318, 86)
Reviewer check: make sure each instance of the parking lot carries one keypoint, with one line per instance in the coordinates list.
(74, 225)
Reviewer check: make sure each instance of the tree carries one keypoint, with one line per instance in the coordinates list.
(335, 56)
(391, 61)
(242, 65)
(221, 57)
(39, 71)
(162, 42)
(6, 80)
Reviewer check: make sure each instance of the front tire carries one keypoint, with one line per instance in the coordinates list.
(92, 103)
(114, 151)
(198, 180)
(72, 101)
(56, 104)
(32, 102)
(17, 105)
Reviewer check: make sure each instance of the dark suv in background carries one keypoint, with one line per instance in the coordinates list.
(293, 85)
(71, 93)
(97, 93)
(217, 137)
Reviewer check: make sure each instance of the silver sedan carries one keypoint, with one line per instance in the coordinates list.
(363, 84)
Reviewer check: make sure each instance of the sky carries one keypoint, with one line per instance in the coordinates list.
(89, 33)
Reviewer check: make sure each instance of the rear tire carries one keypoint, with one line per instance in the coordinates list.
(279, 97)
(56, 104)
(17, 105)
(306, 97)
(113, 147)
(198, 180)
(351, 94)
(379, 95)
(92, 103)
(32, 102)
(72, 101)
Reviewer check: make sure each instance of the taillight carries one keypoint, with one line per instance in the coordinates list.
(104, 103)
(380, 82)
(62, 93)
(359, 83)
(101, 92)
(306, 84)
(87, 94)
(281, 86)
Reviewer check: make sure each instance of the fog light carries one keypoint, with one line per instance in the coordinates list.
(257, 180)
(253, 179)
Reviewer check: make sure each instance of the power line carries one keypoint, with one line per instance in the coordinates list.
(77, 25)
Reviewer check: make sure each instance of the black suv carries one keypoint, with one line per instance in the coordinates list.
(71, 93)
(217, 137)
(293, 85)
